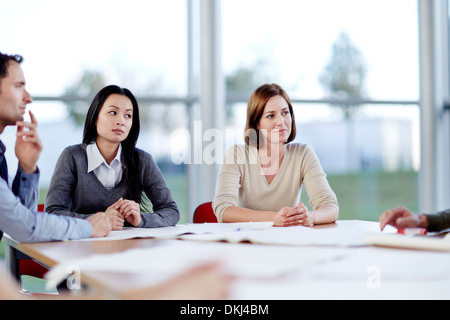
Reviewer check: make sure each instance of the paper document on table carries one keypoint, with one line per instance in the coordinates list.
(296, 236)
(180, 230)
(390, 265)
(409, 242)
(169, 258)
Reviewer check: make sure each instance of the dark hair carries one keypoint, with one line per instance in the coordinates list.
(4, 60)
(130, 155)
(255, 110)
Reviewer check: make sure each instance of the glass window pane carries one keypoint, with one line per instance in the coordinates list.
(74, 48)
(290, 42)
(123, 42)
(372, 160)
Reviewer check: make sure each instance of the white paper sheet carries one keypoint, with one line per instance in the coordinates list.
(179, 230)
(292, 236)
(387, 265)
(408, 241)
(170, 258)
(343, 234)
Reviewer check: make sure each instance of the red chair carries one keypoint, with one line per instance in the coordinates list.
(30, 267)
(31, 274)
(204, 213)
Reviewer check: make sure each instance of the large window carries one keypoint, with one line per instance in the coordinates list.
(350, 66)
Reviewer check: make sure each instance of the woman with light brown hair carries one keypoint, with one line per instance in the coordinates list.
(262, 180)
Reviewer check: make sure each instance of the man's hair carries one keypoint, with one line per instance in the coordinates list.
(4, 60)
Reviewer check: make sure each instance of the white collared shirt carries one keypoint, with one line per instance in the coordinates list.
(108, 175)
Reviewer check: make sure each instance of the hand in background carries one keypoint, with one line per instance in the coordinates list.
(401, 218)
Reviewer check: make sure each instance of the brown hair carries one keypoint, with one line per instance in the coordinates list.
(255, 110)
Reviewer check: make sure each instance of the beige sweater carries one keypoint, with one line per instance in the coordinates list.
(241, 181)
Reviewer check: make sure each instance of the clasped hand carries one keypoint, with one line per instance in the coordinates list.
(123, 210)
(298, 215)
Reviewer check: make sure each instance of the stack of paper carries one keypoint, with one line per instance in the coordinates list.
(409, 242)
(177, 231)
(291, 236)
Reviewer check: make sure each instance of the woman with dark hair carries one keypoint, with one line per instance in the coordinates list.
(262, 180)
(107, 173)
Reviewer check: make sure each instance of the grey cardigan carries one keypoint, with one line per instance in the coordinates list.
(75, 192)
